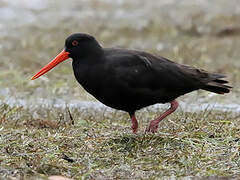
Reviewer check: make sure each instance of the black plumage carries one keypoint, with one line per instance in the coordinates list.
(129, 80)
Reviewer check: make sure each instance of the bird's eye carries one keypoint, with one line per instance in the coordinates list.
(75, 43)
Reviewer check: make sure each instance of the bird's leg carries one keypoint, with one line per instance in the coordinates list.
(134, 123)
(154, 123)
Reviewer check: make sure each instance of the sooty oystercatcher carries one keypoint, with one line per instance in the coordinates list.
(129, 80)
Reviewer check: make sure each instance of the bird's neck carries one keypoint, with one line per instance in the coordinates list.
(86, 72)
(84, 65)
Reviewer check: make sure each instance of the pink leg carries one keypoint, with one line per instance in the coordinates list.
(134, 124)
(154, 123)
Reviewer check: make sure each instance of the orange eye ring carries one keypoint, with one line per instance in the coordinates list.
(75, 43)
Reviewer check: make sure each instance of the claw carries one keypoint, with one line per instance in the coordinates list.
(152, 127)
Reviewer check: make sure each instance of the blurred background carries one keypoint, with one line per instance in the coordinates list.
(201, 33)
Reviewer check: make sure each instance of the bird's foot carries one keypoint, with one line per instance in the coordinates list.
(134, 130)
(134, 124)
(152, 127)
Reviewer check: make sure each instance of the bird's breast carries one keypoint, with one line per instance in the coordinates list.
(89, 77)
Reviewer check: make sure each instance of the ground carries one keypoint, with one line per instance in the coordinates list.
(97, 145)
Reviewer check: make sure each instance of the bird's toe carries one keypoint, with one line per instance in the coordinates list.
(152, 128)
(134, 130)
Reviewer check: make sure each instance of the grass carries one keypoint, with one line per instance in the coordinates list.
(187, 144)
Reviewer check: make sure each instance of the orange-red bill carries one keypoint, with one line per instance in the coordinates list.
(59, 58)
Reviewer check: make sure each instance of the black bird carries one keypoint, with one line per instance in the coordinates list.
(129, 80)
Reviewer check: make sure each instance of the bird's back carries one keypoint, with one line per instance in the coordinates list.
(130, 80)
(142, 79)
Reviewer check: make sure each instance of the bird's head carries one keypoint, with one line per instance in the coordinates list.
(77, 46)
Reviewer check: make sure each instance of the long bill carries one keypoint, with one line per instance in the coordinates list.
(58, 59)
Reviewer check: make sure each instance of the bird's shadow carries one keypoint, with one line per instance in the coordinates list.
(131, 143)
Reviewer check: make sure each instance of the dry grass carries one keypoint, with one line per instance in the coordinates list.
(187, 144)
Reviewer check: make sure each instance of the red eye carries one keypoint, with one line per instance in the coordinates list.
(75, 43)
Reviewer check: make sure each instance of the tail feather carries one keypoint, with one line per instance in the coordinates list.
(220, 81)
(212, 82)
(217, 85)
